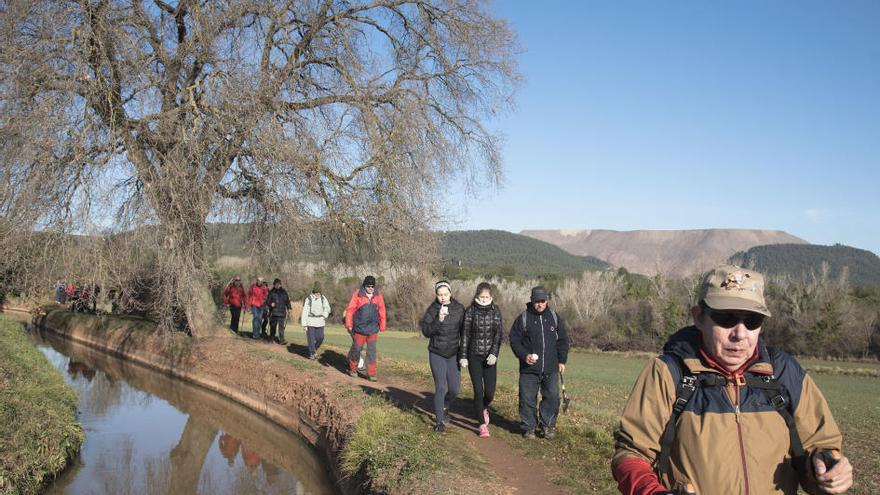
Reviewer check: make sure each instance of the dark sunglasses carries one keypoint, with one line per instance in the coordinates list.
(369, 286)
(729, 320)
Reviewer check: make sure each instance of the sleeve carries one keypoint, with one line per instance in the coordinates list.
(430, 323)
(816, 427)
(637, 438)
(307, 309)
(287, 298)
(466, 325)
(325, 306)
(381, 304)
(497, 332)
(562, 342)
(516, 345)
(350, 310)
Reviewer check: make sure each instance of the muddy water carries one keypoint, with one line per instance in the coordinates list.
(148, 433)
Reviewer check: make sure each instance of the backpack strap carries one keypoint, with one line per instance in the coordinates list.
(522, 317)
(686, 385)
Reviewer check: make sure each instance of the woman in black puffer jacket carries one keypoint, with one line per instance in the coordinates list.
(442, 324)
(480, 343)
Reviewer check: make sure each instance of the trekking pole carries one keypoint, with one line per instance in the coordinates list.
(829, 457)
(565, 397)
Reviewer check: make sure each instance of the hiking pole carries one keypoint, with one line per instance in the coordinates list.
(829, 457)
(565, 397)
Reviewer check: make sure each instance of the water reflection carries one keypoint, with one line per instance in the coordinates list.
(148, 433)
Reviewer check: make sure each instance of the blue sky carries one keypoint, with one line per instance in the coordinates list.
(684, 115)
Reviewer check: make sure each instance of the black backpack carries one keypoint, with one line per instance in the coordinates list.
(687, 384)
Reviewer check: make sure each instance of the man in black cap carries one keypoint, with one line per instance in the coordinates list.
(539, 341)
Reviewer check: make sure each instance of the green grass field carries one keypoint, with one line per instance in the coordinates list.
(599, 385)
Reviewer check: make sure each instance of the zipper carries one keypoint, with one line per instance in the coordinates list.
(543, 345)
(742, 445)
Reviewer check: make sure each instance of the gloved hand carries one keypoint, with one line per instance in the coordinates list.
(491, 360)
(463, 363)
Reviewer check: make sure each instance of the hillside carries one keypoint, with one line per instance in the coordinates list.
(506, 252)
(798, 260)
(672, 252)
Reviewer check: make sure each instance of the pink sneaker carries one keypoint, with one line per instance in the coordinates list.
(486, 416)
(484, 431)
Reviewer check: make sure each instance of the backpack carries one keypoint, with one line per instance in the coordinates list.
(522, 318)
(687, 384)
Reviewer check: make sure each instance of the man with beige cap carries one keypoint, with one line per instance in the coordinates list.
(719, 412)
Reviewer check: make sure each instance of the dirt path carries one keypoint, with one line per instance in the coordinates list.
(524, 475)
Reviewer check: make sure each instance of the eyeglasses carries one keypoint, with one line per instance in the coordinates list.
(369, 286)
(753, 321)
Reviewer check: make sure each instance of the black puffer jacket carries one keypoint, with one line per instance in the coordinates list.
(445, 335)
(481, 334)
(278, 302)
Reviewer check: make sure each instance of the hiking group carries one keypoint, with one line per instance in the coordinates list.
(717, 412)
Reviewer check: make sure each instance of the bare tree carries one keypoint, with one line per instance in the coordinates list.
(330, 116)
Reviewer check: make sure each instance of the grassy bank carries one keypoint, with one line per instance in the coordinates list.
(38, 429)
(599, 385)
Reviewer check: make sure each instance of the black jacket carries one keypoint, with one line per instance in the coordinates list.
(445, 335)
(278, 302)
(542, 336)
(481, 334)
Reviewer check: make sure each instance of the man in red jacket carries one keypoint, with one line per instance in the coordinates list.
(233, 296)
(364, 319)
(256, 298)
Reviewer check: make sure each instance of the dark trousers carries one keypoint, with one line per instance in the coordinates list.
(265, 321)
(276, 322)
(528, 399)
(447, 380)
(315, 336)
(235, 316)
(483, 378)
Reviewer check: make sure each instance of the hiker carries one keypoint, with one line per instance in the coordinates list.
(442, 324)
(58, 287)
(539, 341)
(233, 297)
(364, 319)
(254, 302)
(316, 309)
(480, 344)
(264, 322)
(278, 304)
(721, 412)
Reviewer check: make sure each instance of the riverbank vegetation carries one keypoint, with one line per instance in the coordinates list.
(39, 433)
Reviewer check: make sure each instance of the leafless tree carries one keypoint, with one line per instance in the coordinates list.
(152, 118)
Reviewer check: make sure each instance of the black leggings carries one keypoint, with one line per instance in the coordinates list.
(483, 377)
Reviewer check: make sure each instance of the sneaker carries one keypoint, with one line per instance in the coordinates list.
(282, 342)
(529, 435)
(486, 416)
(549, 432)
(353, 374)
(440, 428)
(313, 356)
(445, 415)
(484, 431)
(373, 379)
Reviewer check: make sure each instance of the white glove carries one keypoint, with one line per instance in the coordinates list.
(491, 360)
(463, 363)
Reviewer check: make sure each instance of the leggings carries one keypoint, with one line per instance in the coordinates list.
(483, 377)
(447, 380)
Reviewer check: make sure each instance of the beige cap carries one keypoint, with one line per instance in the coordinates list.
(731, 287)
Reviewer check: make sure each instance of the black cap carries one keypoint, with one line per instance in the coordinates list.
(276, 281)
(369, 280)
(539, 293)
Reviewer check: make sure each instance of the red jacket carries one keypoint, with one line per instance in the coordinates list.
(365, 315)
(233, 295)
(256, 296)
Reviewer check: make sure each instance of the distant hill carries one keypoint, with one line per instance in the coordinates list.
(488, 250)
(672, 252)
(800, 260)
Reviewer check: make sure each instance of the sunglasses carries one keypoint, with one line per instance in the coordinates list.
(729, 320)
(369, 286)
